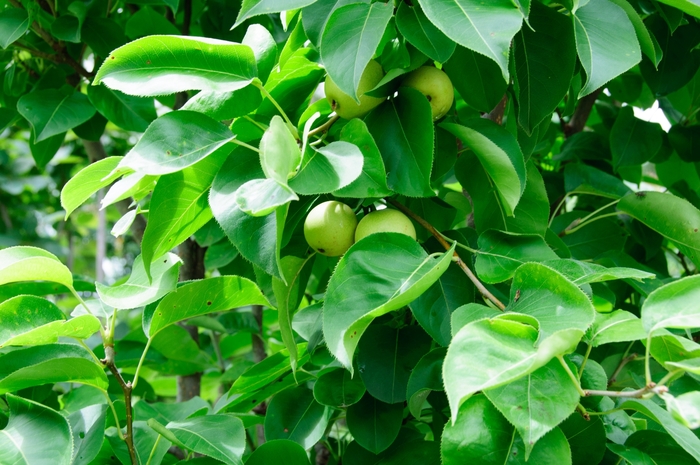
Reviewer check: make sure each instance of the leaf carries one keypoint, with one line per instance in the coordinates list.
(162, 65)
(618, 326)
(51, 111)
(478, 79)
(258, 239)
(24, 263)
(544, 56)
(433, 307)
(687, 6)
(258, 38)
(674, 305)
(535, 404)
(606, 42)
(250, 8)
(552, 299)
(386, 357)
(260, 197)
(672, 217)
(683, 436)
(485, 28)
(581, 273)
(351, 36)
(647, 43)
(87, 427)
(425, 377)
(178, 208)
(127, 112)
(222, 106)
(422, 34)
(377, 275)
(89, 180)
(499, 153)
(279, 152)
(684, 408)
(337, 388)
(137, 291)
(328, 169)
(579, 177)
(14, 22)
(482, 435)
(633, 141)
(403, 131)
(374, 424)
(175, 141)
(501, 253)
(221, 437)
(279, 450)
(50, 363)
(294, 414)
(586, 438)
(35, 434)
(468, 313)
(145, 442)
(372, 180)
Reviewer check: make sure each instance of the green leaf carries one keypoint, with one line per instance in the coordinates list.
(35, 434)
(501, 253)
(422, 34)
(586, 438)
(372, 180)
(684, 408)
(468, 313)
(209, 295)
(362, 289)
(672, 217)
(433, 307)
(145, 444)
(482, 435)
(581, 273)
(425, 377)
(294, 414)
(127, 112)
(687, 6)
(278, 451)
(535, 404)
(338, 388)
(674, 305)
(683, 436)
(374, 424)
(606, 42)
(647, 43)
(553, 300)
(260, 197)
(53, 111)
(351, 36)
(487, 29)
(50, 363)
(499, 153)
(24, 263)
(258, 38)
(328, 169)
(633, 141)
(279, 152)
(137, 291)
(89, 180)
(222, 106)
(147, 21)
(478, 79)
(250, 8)
(27, 320)
(545, 56)
(387, 356)
(579, 177)
(87, 427)
(14, 22)
(288, 294)
(618, 326)
(162, 65)
(218, 436)
(178, 208)
(258, 239)
(403, 131)
(176, 141)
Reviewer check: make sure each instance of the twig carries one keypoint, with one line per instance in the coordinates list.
(620, 366)
(126, 389)
(651, 387)
(187, 17)
(482, 289)
(581, 113)
(325, 126)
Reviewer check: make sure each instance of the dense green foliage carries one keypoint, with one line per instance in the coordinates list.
(542, 307)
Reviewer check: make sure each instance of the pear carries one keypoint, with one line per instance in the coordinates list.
(435, 85)
(344, 105)
(329, 228)
(384, 221)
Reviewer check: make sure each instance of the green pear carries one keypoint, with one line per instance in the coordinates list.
(384, 221)
(330, 228)
(435, 85)
(344, 105)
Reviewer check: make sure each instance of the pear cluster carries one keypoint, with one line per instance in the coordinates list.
(331, 227)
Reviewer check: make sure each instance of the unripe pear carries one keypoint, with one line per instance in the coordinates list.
(330, 228)
(435, 85)
(384, 221)
(344, 105)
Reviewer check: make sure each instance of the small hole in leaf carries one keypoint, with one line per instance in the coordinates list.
(209, 302)
(81, 435)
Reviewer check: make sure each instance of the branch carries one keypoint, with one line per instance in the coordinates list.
(126, 389)
(431, 229)
(325, 126)
(651, 387)
(620, 366)
(581, 113)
